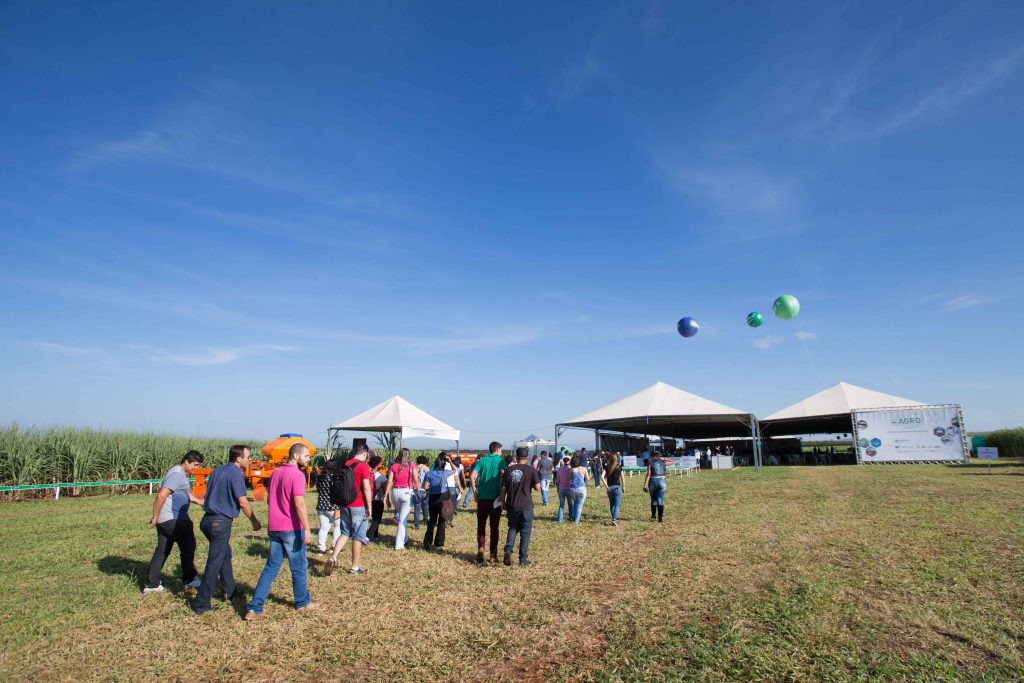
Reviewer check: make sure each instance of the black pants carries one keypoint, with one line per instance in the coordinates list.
(217, 529)
(167, 534)
(376, 515)
(435, 523)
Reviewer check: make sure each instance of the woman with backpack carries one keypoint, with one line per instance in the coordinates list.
(578, 487)
(436, 485)
(613, 484)
(402, 481)
(325, 510)
(655, 484)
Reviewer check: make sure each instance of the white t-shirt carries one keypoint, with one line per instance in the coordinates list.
(453, 478)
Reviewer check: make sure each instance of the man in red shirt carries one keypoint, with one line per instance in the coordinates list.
(353, 519)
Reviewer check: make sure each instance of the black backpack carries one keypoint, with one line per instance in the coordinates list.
(343, 486)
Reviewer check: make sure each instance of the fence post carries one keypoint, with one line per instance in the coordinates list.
(56, 493)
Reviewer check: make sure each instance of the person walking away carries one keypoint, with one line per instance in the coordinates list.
(595, 469)
(614, 484)
(486, 480)
(544, 469)
(225, 498)
(563, 483)
(578, 487)
(469, 490)
(173, 525)
(289, 531)
(454, 489)
(419, 498)
(436, 486)
(377, 488)
(655, 484)
(326, 511)
(402, 481)
(354, 515)
(517, 487)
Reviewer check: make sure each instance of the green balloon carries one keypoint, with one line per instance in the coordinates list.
(755, 319)
(786, 307)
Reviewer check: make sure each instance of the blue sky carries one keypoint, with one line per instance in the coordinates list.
(241, 219)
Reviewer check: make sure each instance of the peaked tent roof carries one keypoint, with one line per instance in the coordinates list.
(828, 411)
(398, 415)
(533, 438)
(665, 410)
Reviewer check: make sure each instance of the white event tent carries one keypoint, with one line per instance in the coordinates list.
(533, 442)
(398, 415)
(829, 411)
(664, 410)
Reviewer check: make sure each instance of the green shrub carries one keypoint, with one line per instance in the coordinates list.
(1010, 442)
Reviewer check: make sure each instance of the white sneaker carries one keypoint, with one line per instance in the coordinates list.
(156, 589)
(194, 583)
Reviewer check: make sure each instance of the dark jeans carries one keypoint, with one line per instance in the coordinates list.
(435, 523)
(376, 515)
(217, 529)
(521, 523)
(485, 511)
(167, 534)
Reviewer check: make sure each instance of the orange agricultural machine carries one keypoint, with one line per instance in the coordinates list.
(259, 471)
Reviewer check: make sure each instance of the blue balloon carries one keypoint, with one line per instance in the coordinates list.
(688, 327)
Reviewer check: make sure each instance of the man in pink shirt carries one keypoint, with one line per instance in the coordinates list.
(288, 529)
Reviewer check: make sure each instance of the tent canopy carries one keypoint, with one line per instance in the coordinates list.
(398, 415)
(665, 410)
(828, 411)
(534, 440)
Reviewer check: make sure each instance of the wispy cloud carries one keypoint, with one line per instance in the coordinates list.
(63, 349)
(945, 96)
(737, 190)
(767, 342)
(964, 301)
(210, 356)
(584, 71)
(804, 336)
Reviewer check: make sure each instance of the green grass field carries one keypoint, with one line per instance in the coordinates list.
(801, 573)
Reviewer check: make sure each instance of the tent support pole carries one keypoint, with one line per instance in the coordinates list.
(597, 441)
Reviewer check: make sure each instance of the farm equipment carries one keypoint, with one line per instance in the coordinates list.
(258, 472)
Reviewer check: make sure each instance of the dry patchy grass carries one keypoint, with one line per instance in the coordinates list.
(833, 573)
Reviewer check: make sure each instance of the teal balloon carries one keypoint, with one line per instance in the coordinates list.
(786, 307)
(755, 319)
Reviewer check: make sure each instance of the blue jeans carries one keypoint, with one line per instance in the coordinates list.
(468, 493)
(657, 487)
(283, 543)
(521, 523)
(596, 472)
(615, 500)
(577, 496)
(545, 482)
(217, 529)
(420, 501)
(563, 502)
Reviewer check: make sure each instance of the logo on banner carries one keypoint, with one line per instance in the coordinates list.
(870, 452)
(864, 443)
(863, 424)
(939, 432)
(876, 442)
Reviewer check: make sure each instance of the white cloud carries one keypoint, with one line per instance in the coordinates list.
(767, 342)
(212, 355)
(737, 190)
(961, 302)
(970, 83)
(803, 336)
(64, 349)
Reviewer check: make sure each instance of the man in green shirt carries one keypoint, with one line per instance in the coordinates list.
(486, 478)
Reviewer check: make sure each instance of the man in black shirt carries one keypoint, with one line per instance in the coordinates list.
(517, 487)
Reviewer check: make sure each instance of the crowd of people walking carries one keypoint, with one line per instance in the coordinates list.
(352, 497)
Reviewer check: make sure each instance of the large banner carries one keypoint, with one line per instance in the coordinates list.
(920, 434)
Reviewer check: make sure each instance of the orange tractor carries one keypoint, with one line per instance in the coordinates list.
(259, 471)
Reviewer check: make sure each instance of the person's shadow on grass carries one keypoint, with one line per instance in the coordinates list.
(134, 569)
